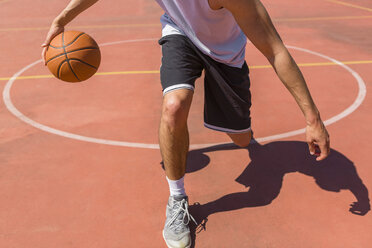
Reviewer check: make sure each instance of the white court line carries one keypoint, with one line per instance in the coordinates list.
(8, 103)
(126, 41)
(357, 102)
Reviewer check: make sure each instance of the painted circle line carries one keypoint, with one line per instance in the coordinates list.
(8, 103)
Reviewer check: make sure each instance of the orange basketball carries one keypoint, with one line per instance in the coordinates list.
(73, 56)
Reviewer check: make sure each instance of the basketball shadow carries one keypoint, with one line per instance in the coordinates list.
(264, 177)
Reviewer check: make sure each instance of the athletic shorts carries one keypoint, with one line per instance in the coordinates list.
(227, 98)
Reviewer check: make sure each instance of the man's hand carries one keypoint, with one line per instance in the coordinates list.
(318, 140)
(54, 30)
(73, 9)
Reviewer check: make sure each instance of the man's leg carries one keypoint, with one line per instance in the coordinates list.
(241, 139)
(174, 145)
(173, 132)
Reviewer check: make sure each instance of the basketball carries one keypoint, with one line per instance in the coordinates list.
(73, 56)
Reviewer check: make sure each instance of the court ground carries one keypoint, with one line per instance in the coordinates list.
(80, 164)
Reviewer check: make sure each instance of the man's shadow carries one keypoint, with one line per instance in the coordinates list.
(264, 177)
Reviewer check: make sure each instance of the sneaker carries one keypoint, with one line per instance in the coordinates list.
(176, 231)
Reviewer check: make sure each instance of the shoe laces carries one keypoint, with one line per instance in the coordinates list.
(182, 207)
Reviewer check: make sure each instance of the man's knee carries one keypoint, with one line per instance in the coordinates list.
(242, 143)
(176, 107)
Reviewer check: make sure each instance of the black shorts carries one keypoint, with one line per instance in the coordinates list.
(227, 99)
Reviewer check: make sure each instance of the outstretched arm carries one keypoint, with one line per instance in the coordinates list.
(73, 9)
(255, 22)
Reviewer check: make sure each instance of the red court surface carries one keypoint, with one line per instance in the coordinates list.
(79, 163)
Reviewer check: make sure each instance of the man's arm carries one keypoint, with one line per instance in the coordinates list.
(73, 9)
(255, 22)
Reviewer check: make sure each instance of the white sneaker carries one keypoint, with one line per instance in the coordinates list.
(176, 231)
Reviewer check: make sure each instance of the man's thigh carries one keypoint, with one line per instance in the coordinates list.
(181, 66)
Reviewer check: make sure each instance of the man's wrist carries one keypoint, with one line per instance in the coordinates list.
(313, 118)
(58, 22)
(63, 18)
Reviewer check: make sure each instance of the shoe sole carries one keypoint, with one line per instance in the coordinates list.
(171, 246)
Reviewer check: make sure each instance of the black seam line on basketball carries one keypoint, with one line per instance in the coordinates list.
(56, 47)
(59, 55)
(63, 46)
(59, 68)
(77, 37)
(84, 63)
(68, 62)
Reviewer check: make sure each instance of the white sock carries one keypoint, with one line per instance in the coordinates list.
(176, 187)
